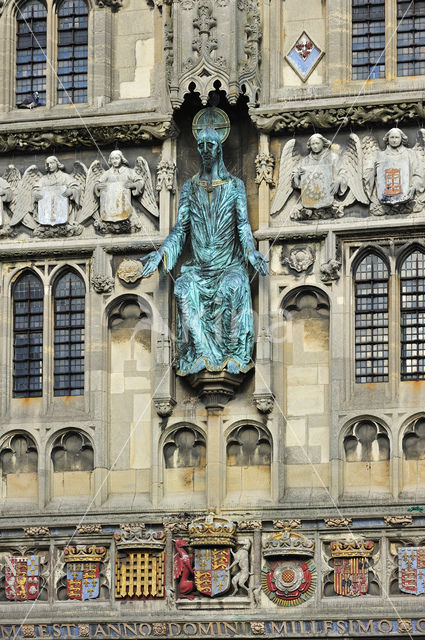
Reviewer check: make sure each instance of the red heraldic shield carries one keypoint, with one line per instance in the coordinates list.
(350, 576)
(21, 575)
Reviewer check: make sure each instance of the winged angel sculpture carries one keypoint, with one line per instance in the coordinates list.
(394, 177)
(8, 190)
(49, 204)
(329, 179)
(109, 195)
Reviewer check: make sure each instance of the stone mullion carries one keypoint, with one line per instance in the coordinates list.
(338, 42)
(51, 57)
(390, 39)
(8, 56)
(100, 63)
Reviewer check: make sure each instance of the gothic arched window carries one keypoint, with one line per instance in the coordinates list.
(72, 51)
(371, 325)
(27, 336)
(412, 316)
(31, 50)
(69, 298)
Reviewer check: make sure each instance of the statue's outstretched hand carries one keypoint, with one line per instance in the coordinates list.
(151, 263)
(259, 262)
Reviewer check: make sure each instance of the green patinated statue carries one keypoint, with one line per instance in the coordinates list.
(215, 328)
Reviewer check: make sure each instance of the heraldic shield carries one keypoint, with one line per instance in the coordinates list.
(22, 577)
(411, 570)
(82, 580)
(211, 569)
(83, 571)
(211, 539)
(351, 566)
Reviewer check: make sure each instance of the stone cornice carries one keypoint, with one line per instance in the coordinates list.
(281, 120)
(90, 136)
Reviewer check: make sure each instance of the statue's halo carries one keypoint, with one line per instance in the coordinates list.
(211, 118)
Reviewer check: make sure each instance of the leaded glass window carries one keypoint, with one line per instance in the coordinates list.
(410, 37)
(412, 320)
(31, 51)
(368, 39)
(27, 336)
(371, 325)
(69, 299)
(72, 51)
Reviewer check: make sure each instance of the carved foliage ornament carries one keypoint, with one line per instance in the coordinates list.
(264, 164)
(165, 176)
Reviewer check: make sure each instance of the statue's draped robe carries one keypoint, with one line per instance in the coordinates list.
(215, 323)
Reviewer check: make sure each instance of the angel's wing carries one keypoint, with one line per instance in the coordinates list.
(13, 176)
(147, 198)
(79, 175)
(289, 159)
(24, 198)
(352, 161)
(90, 204)
(370, 149)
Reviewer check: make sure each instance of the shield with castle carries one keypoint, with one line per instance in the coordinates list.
(351, 566)
(289, 578)
(212, 539)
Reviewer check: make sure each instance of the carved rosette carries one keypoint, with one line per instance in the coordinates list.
(84, 630)
(159, 628)
(129, 271)
(299, 259)
(264, 165)
(257, 628)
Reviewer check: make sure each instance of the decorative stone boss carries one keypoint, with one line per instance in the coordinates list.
(215, 328)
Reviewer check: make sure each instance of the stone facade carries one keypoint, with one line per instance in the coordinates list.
(125, 495)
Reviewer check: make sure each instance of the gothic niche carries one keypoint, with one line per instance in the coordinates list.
(413, 463)
(73, 464)
(367, 458)
(18, 460)
(306, 390)
(184, 462)
(130, 370)
(249, 454)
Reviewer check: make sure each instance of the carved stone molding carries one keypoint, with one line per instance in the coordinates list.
(164, 406)
(398, 521)
(264, 402)
(89, 528)
(165, 175)
(287, 524)
(338, 522)
(264, 164)
(245, 525)
(327, 118)
(37, 531)
(86, 137)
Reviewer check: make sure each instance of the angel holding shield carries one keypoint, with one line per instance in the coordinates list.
(328, 180)
(109, 193)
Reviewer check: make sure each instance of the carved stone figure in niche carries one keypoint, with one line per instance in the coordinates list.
(215, 323)
(48, 203)
(241, 558)
(329, 180)
(110, 194)
(8, 185)
(394, 177)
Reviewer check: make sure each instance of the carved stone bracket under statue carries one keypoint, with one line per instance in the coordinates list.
(215, 389)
